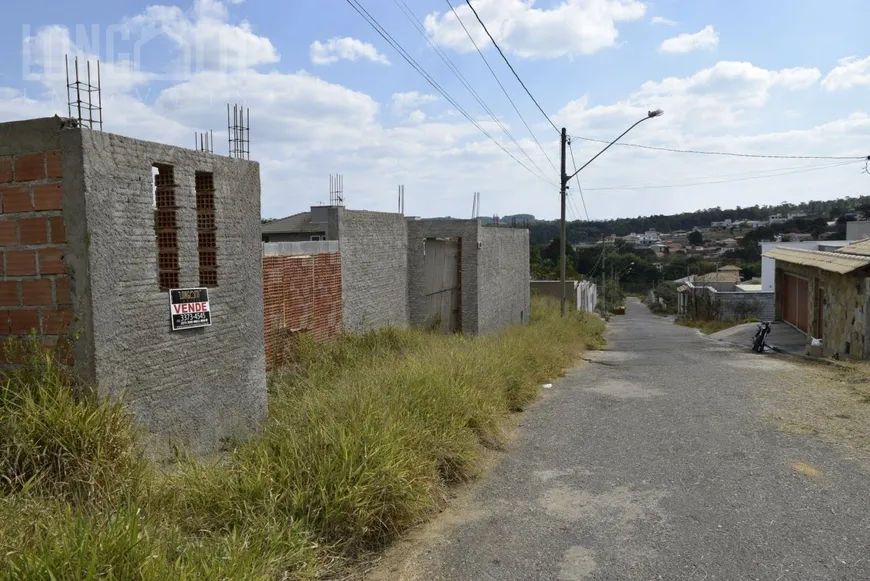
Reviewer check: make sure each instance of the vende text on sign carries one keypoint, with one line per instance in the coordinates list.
(189, 308)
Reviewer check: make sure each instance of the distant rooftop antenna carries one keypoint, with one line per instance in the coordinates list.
(239, 131)
(80, 96)
(204, 141)
(336, 190)
(402, 200)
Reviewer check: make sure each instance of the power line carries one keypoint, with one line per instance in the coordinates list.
(694, 176)
(412, 18)
(497, 80)
(690, 184)
(577, 175)
(725, 153)
(572, 203)
(495, 44)
(372, 21)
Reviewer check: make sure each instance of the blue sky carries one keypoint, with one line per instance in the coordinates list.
(328, 95)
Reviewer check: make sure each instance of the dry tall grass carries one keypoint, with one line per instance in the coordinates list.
(365, 436)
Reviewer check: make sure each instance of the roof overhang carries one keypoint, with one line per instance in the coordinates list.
(837, 262)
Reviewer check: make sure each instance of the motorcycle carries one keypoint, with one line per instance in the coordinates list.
(761, 333)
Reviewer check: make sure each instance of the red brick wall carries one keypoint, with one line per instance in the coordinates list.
(301, 293)
(34, 289)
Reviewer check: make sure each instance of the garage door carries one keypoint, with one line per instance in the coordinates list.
(795, 305)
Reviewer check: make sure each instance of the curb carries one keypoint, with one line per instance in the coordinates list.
(781, 351)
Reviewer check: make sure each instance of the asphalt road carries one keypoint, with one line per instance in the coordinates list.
(655, 463)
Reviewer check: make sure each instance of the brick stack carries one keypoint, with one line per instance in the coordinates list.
(34, 290)
(300, 294)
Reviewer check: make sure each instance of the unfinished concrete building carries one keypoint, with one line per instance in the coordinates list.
(96, 230)
(456, 275)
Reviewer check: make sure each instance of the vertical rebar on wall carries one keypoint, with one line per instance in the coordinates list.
(204, 141)
(336, 190)
(239, 131)
(80, 96)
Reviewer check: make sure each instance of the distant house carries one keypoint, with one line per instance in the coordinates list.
(723, 297)
(295, 228)
(730, 273)
(856, 230)
(798, 237)
(633, 239)
(777, 219)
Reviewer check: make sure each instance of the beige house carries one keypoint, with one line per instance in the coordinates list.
(825, 295)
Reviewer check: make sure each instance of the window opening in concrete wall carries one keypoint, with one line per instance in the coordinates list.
(165, 226)
(206, 229)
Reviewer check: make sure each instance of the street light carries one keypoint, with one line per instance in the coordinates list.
(564, 191)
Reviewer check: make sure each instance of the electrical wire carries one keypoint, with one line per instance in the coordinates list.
(510, 66)
(412, 18)
(725, 153)
(690, 184)
(372, 21)
(497, 80)
(576, 175)
(691, 177)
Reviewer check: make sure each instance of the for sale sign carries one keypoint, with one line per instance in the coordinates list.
(189, 308)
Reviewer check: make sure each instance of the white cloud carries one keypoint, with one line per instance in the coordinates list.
(663, 20)
(849, 72)
(304, 127)
(705, 39)
(410, 100)
(417, 116)
(350, 49)
(573, 27)
(45, 61)
(204, 38)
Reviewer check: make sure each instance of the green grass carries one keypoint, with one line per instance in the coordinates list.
(366, 435)
(710, 327)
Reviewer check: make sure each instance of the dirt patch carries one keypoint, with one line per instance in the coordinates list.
(624, 390)
(806, 470)
(578, 564)
(831, 402)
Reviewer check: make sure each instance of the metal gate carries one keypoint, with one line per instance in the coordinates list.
(795, 302)
(443, 283)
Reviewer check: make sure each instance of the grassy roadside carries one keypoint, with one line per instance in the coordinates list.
(365, 437)
(710, 327)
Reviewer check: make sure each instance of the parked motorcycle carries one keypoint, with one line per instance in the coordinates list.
(761, 333)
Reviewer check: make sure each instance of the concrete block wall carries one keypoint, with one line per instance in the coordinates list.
(302, 293)
(587, 296)
(503, 272)
(191, 388)
(374, 267)
(35, 288)
(418, 232)
(553, 288)
(736, 305)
